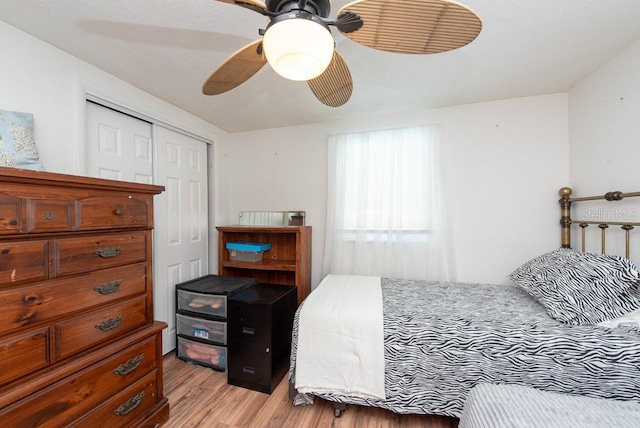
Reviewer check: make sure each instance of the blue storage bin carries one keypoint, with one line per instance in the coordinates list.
(247, 251)
(256, 247)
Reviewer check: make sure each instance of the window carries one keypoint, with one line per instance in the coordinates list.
(385, 206)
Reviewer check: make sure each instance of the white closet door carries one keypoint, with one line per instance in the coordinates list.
(181, 242)
(119, 147)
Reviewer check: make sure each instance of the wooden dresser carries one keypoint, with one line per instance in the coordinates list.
(78, 343)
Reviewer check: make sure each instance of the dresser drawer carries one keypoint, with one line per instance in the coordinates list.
(75, 255)
(23, 353)
(84, 331)
(37, 303)
(48, 215)
(125, 407)
(112, 212)
(22, 261)
(9, 214)
(64, 401)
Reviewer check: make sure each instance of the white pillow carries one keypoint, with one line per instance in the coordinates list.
(17, 145)
(632, 319)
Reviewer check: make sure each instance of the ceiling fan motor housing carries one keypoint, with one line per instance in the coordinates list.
(315, 7)
(312, 10)
(297, 14)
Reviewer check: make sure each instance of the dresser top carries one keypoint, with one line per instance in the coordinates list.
(24, 176)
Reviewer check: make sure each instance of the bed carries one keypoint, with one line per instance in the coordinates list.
(442, 339)
(507, 406)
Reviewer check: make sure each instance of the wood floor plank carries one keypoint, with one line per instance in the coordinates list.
(200, 397)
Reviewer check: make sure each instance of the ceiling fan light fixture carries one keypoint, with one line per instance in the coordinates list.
(298, 48)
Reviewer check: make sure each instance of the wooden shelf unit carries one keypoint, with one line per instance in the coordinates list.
(287, 262)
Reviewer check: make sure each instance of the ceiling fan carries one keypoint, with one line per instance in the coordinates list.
(298, 44)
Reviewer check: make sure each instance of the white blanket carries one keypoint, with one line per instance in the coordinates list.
(341, 339)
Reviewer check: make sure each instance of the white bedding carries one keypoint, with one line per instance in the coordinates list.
(508, 406)
(632, 319)
(341, 339)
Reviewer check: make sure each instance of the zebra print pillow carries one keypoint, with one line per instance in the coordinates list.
(581, 288)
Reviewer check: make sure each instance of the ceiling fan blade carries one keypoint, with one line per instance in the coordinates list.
(237, 69)
(334, 86)
(413, 26)
(255, 5)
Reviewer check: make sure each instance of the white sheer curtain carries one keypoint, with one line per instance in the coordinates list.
(385, 206)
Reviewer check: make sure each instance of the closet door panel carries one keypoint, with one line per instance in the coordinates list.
(182, 244)
(118, 146)
(122, 147)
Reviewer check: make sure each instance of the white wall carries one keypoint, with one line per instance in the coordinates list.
(38, 78)
(604, 123)
(504, 163)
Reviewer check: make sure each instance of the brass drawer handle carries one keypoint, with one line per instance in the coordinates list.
(107, 252)
(109, 324)
(130, 404)
(109, 287)
(129, 366)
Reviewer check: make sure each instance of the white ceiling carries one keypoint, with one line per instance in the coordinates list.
(169, 48)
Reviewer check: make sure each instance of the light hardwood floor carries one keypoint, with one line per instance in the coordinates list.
(201, 397)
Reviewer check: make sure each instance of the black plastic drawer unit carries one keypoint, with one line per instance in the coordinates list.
(201, 318)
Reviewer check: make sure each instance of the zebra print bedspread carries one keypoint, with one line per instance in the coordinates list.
(507, 406)
(441, 339)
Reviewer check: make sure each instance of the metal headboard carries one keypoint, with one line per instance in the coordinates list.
(566, 221)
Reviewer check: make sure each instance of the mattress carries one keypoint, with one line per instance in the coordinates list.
(507, 406)
(442, 339)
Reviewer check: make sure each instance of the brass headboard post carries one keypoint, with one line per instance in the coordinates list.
(566, 221)
(565, 216)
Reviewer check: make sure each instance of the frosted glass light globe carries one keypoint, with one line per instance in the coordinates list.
(298, 49)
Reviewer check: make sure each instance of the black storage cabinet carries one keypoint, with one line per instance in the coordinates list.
(201, 318)
(260, 327)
